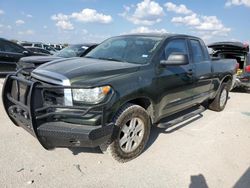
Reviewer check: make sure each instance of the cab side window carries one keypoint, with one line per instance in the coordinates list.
(9, 47)
(175, 46)
(38, 45)
(197, 52)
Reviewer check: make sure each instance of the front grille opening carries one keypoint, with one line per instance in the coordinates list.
(53, 97)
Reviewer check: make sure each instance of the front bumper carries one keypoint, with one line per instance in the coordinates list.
(26, 109)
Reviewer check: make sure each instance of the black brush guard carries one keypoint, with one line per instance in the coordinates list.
(23, 102)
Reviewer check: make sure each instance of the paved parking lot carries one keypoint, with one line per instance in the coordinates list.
(211, 151)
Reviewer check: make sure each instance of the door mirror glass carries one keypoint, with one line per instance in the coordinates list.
(175, 59)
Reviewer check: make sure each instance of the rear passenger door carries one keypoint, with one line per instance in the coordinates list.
(202, 70)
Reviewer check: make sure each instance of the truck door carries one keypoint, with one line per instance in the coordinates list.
(202, 70)
(174, 82)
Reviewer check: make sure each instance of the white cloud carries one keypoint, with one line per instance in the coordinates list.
(1, 12)
(84, 31)
(7, 27)
(45, 27)
(64, 21)
(212, 23)
(65, 25)
(238, 3)
(146, 12)
(29, 16)
(20, 22)
(179, 9)
(143, 29)
(207, 26)
(27, 32)
(60, 17)
(91, 15)
(191, 20)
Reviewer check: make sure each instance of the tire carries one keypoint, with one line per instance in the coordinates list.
(134, 130)
(219, 102)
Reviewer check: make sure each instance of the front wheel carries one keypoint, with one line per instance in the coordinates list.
(219, 102)
(134, 129)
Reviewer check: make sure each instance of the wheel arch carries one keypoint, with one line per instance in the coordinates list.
(227, 79)
(144, 102)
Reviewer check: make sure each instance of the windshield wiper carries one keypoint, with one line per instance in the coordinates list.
(110, 59)
(89, 57)
(106, 58)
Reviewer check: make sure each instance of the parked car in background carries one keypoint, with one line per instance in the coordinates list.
(39, 51)
(39, 45)
(112, 96)
(76, 50)
(10, 53)
(239, 52)
(58, 47)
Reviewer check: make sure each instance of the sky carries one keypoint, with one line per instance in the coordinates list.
(78, 21)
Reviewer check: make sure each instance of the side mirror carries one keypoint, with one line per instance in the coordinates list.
(175, 59)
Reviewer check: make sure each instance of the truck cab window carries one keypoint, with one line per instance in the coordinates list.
(178, 45)
(197, 51)
(9, 47)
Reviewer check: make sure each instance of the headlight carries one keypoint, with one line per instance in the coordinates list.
(92, 96)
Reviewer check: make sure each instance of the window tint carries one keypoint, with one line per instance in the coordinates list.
(26, 44)
(198, 56)
(38, 45)
(9, 47)
(205, 50)
(175, 46)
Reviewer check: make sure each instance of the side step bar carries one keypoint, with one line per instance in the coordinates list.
(180, 117)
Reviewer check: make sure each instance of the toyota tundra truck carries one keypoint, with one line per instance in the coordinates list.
(112, 96)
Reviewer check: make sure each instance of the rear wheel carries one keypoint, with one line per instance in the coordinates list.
(134, 124)
(219, 102)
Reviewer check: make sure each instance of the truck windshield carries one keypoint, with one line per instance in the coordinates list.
(131, 49)
(71, 51)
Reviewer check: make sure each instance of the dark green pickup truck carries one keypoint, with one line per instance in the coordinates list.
(113, 96)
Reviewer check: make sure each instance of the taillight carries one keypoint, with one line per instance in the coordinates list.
(247, 68)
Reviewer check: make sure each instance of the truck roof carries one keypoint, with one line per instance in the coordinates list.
(163, 35)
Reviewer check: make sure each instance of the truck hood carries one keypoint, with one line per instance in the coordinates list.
(79, 70)
(39, 59)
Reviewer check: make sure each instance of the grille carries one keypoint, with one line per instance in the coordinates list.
(53, 97)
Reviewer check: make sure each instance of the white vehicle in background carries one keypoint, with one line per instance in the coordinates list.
(57, 46)
(39, 45)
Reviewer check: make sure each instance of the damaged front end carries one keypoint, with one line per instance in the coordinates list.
(43, 106)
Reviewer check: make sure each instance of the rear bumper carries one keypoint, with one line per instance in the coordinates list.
(28, 112)
(243, 81)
